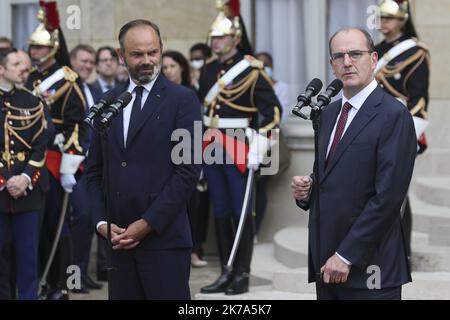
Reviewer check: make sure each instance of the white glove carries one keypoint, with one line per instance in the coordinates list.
(254, 160)
(258, 146)
(68, 182)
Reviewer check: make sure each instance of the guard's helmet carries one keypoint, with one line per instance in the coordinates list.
(42, 37)
(394, 9)
(223, 26)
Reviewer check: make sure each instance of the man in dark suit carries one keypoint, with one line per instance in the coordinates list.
(82, 59)
(148, 191)
(367, 150)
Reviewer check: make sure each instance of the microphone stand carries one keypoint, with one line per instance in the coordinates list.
(105, 150)
(315, 118)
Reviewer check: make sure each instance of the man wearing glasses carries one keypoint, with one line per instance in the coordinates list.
(106, 64)
(367, 152)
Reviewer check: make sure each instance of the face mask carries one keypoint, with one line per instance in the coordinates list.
(269, 71)
(197, 64)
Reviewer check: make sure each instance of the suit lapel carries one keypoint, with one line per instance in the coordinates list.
(365, 114)
(118, 123)
(152, 105)
(324, 140)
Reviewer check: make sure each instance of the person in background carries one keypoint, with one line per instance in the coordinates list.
(406, 76)
(5, 42)
(23, 146)
(176, 69)
(26, 66)
(281, 88)
(106, 63)
(199, 55)
(82, 59)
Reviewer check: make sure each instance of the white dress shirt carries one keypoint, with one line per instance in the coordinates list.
(88, 95)
(104, 85)
(357, 101)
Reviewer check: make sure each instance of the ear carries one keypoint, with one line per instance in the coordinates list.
(332, 67)
(374, 57)
(120, 55)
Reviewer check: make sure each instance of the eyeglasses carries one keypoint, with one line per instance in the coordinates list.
(354, 55)
(105, 60)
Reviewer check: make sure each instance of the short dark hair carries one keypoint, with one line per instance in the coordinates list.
(267, 55)
(82, 47)
(106, 48)
(182, 61)
(136, 23)
(7, 40)
(369, 40)
(4, 52)
(203, 47)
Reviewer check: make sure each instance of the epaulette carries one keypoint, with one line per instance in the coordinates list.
(69, 74)
(210, 61)
(254, 63)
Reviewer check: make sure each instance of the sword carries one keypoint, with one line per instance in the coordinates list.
(43, 282)
(237, 239)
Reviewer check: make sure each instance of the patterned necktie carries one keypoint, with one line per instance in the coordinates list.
(339, 130)
(136, 110)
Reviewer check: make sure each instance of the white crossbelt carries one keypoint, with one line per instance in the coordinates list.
(47, 83)
(395, 52)
(226, 123)
(226, 79)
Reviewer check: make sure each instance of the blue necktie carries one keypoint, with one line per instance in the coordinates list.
(136, 110)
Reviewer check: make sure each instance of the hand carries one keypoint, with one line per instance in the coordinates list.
(301, 187)
(132, 235)
(254, 160)
(17, 186)
(68, 182)
(115, 230)
(335, 270)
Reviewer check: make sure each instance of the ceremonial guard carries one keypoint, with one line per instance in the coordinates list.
(23, 143)
(403, 71)
(237, 94)
(60, 87)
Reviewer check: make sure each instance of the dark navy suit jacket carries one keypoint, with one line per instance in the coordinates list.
(362, 189)
(144, 182)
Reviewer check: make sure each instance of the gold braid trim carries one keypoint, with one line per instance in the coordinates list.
(389, 71)
(38, 164)
(419, 107)
(58, 94)
(275, 122)
(20, 139)
(58, 121)
(73, 140)
(65, 101)
(39, 106)
(422, 58)
(390, 88)
(80, 94)
(41, 129)
(241, 87)
(237, 107)
(268, 79)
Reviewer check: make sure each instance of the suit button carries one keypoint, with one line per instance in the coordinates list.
(124, 164)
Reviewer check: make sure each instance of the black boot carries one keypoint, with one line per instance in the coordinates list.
(241, 266)
(224, 233)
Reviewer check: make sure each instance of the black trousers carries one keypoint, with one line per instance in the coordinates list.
(336, 292)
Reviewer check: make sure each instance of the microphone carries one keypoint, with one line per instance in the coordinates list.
(333, 89)
(311, 90)
(105, 100)
(115, 108)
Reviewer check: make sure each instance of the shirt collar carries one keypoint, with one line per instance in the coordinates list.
(358, 100)
(104, 84)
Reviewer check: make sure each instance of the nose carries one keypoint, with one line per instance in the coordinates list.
(347, 60)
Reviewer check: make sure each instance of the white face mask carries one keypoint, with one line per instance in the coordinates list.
(269, 71)
(197, 64)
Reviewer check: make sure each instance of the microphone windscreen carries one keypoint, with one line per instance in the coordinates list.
(125, 98)
(315, 85)
(108, 97)
(336, 84)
